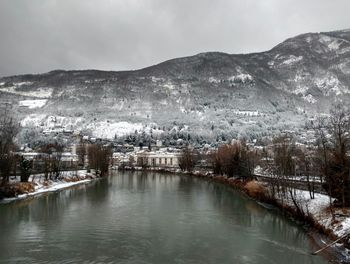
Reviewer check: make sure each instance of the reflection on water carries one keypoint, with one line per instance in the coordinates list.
(148, 218)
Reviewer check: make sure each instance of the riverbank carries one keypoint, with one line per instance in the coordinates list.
(37, 185)
(315, 213)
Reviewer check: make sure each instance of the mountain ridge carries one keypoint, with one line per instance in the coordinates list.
(211, 93)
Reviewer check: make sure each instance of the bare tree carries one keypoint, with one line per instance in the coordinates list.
(188, 159)
(26, 169)
(81, 152)
(234, 160)
(284, 164)
(321, 128)
(131, 161)
(333, 140)
(9, 128)
(338, 177)
(99, 158)
(304, 167)
(52, 160)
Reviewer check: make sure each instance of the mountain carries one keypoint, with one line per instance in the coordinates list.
(208, 94)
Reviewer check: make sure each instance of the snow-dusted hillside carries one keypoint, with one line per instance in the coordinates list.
(211, 93)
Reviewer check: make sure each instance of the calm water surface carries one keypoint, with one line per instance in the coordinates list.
(149, 218)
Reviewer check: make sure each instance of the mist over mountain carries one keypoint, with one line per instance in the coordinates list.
(210, 94)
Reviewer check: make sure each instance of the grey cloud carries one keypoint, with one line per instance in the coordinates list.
(42, 35)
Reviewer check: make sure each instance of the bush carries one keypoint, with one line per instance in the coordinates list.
(13, 190)
(255, 189)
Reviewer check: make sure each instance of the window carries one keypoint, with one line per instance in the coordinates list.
(171, 161)
(166, 161)
(153, 161)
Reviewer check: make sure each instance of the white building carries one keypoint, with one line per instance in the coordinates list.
(158, 159)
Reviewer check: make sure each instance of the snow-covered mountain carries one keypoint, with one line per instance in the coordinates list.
(207, 94)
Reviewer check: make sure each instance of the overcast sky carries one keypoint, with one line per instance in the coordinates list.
(42, 35)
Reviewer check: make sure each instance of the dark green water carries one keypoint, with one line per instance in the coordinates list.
(148, 218)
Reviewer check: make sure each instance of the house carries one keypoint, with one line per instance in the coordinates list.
(158, 143)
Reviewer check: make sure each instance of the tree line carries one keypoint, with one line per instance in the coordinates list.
(50, 160)
(325, 161)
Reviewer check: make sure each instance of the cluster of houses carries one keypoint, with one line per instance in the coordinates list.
(160, 158)
(127, 155)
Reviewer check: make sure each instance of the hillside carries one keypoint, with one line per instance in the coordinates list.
(208, 94)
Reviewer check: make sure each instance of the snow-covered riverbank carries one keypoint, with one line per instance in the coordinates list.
(334, 223)
(41, 186)
(318, 208)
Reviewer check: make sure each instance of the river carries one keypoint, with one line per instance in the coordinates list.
(135, 217)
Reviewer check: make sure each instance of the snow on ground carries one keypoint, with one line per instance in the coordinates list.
(32, 120)
(247, 112)
(314, 206)
(242, 77)
(308, 39)
(272, 62)
(31, 104)
(108, 130)
(23, 83)
(169, 86)
(330, 83)
(345, 66)
(299, 77)
(291, 60)
(51, 122)
(157, 79)
(163, 102)
(38, 93)
(318, 208)
(118, 105)
(332, 44)
(301, 90)
(344, 50)
(51, 186)
(213, 80)
(309, 98)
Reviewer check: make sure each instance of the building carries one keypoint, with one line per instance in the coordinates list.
(66, 160)
(158, 159)
(69, 160)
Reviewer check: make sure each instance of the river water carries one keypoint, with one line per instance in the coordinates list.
(135, 217)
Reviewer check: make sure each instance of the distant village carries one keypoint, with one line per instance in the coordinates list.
(139, 155)
(289, 154)
(122, 155)
(140, 150)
